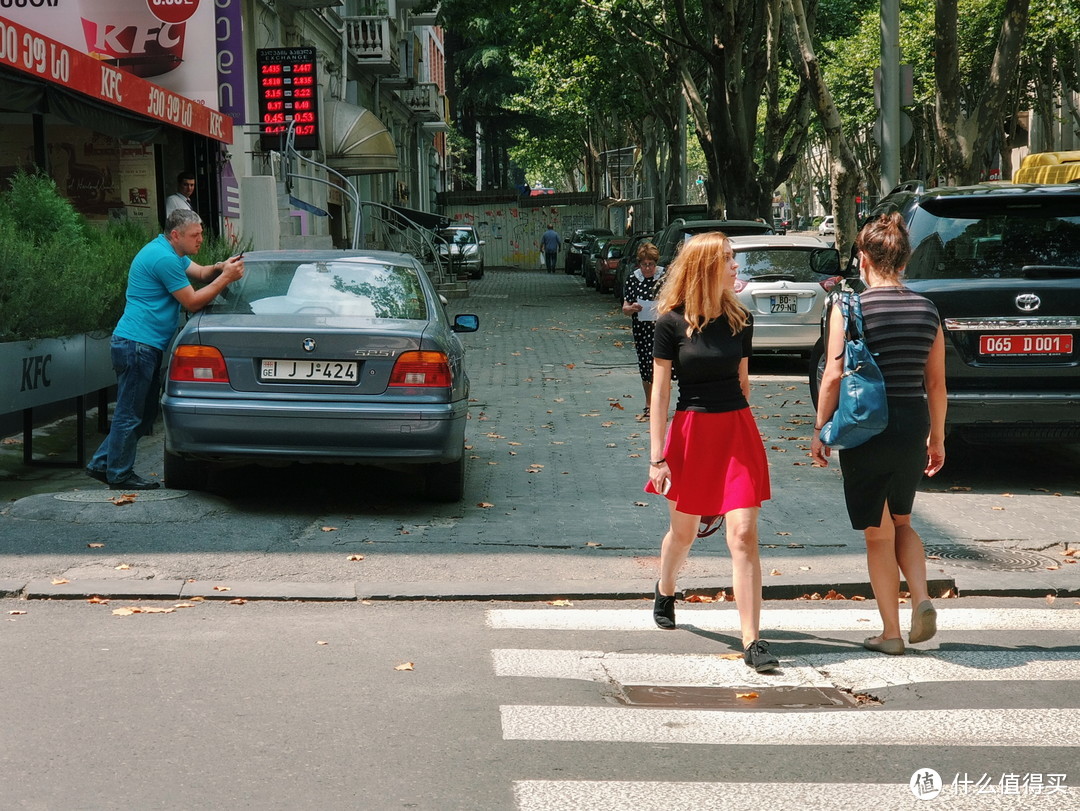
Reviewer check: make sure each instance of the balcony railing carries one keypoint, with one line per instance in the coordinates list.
(424, 101)
(373, 44)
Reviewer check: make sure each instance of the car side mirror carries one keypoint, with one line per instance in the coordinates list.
(466, 323)
(825, 261)
(482, 242)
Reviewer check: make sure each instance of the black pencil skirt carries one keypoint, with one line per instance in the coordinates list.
(888, 467)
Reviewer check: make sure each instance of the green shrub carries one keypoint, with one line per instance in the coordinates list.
(58, 274)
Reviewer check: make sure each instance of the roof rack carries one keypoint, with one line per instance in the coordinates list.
(914, 186)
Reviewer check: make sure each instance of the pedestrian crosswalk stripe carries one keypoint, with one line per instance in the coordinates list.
(856, 670)
(962, 727)
(715, 618)
(595, 795)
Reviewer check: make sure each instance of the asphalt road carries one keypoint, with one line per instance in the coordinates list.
(529, 706)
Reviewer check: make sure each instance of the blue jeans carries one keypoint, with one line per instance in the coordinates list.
(138, 380)
(551, 259)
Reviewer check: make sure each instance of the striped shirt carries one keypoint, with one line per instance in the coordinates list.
(900, 329)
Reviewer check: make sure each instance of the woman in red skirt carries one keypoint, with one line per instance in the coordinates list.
(711, 464)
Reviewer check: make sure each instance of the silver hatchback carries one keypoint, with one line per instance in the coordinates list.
(320, 356)
(784, 281)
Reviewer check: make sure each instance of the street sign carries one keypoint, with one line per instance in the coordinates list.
(906, 129)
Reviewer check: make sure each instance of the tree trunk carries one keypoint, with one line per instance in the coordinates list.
(843, 172)
(965, 134)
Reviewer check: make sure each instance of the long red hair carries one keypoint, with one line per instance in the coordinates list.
(695, 282)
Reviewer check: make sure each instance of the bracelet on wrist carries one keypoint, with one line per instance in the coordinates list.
(658, 461)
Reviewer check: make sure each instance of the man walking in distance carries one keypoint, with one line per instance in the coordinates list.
(550, 243)
(185, 187)
(159, 283)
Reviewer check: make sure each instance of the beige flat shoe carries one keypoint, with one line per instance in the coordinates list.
(923, 622)
(893, 647)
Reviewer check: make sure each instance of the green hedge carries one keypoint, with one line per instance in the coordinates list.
(60, 275)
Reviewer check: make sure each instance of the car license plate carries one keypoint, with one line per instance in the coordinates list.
(784, 304)
(1025, 344)
(309, 371)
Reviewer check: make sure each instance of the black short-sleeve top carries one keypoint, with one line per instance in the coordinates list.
(706, 363)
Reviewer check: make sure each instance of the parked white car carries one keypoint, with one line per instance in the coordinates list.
(784, 282)
(827, 226)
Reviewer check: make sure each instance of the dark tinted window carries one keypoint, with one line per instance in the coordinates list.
(992, 237)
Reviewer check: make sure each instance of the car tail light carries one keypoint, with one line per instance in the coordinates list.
(740, 284)
(421, 369)
(198, 364)
(829, 283)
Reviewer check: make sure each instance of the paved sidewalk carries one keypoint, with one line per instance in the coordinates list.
(553, 506)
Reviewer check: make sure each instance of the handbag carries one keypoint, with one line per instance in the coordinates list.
(863, 410)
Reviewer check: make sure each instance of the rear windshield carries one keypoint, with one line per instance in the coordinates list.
(368, 290)
(792, 265)
(458, 236)
(991, 238)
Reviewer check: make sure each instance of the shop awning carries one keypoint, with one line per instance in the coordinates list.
(357, 142)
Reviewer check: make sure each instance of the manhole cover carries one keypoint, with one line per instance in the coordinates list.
(105, 496)
(977, 557)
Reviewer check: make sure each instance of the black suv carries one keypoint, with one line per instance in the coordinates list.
(581, 237)
(678, 231)
(1002, 264)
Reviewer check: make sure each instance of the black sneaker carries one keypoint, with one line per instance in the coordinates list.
(134, 482)
(97, 474)
(663, 609)
(758, 657)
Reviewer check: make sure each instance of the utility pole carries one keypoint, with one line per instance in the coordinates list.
(890, 95)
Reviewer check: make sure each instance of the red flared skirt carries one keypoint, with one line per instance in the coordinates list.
(717, 462)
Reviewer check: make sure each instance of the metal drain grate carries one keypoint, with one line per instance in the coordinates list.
(979, 557)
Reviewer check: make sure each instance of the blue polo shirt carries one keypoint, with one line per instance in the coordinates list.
(151, 313)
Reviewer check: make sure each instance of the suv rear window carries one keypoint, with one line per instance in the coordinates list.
(989, 238)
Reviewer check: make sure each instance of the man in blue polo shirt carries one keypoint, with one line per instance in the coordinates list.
(159, 284)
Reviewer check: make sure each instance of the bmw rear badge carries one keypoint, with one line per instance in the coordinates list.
(1028, 302)
(309, 344)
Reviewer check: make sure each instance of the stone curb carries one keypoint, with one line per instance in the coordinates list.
(989, 584)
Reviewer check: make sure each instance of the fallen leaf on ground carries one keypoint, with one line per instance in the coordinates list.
(328, 529)
(948, 594)
(619, 406)
(1072, 553)
(733, 657)
(804, 568)
(124, 498)
(858, 598)
(405, 666)
(356, 557)
(561, 603)
(606, 424)
(95, 546)
(593, 543)
(59, 581)
(95, 600)
(321, 642)
(485, 504)
(1053, 568)
(513, 443)
(568, 365)
(1000, 509)
(16, 612)
(783, 533)
(222, 588)
(1050, 599)
(183, 605)
(123, 567)
(774, 572)
(747, 696)
(640, 504)
(961, 488)
(141, 609)
(238, 601)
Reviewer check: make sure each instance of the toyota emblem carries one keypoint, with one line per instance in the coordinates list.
(1028, 302)
(309, 343)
